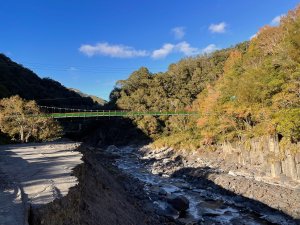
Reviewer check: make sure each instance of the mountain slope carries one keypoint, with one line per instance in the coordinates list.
(18, 80)
(96, 99)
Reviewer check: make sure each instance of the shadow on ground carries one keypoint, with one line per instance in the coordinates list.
(39, 172)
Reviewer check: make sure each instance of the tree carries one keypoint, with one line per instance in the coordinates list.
(288, 123)
(22, 120)
(250, 90)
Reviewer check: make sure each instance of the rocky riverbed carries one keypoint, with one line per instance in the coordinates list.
(104, 196)
(137, 185)
(193, 194)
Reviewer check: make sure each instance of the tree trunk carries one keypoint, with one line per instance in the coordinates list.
(22, 134)
(27, 137)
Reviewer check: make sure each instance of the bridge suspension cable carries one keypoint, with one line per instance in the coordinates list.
(58, 112)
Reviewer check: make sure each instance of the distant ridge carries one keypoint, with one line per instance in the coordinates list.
(96, 99)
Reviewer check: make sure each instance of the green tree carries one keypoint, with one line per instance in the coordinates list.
(250, 90)
(22, 120)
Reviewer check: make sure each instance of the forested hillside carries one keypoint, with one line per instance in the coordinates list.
(18, 80)
(250, 90)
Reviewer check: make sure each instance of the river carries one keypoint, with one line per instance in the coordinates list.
(205, 206)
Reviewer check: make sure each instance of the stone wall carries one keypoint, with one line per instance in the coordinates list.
(266, 154)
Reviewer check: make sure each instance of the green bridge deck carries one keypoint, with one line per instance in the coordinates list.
(116, 113)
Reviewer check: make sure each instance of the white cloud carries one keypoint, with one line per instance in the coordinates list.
(218, 28)
(122, 51)
(182, 47)
(209, 49)
(186, 48)
(165, 50)
(276, 20)
(179, 32)
(115, 51)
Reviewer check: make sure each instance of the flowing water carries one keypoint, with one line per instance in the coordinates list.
(204, 205)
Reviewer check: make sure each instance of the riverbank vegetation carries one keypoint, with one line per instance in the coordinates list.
(23, 121)
(250, 90)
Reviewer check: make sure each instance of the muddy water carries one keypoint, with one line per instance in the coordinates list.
(205, 206)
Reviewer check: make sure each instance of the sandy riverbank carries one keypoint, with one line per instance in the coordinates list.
(32, 175)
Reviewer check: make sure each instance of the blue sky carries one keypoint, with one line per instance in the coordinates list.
(91, 44)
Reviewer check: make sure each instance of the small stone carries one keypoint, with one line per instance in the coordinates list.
(162, 192)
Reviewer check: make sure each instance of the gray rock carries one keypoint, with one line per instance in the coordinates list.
(162, 192)
(179, 203)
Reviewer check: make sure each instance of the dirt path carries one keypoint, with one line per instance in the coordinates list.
(34, 174)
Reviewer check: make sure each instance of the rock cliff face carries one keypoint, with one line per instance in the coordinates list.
(267, 156)
(99, 198)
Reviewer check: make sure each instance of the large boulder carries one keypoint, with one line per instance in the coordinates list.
(180, 203)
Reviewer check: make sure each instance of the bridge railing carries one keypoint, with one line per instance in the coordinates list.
(57, 112)
(116, 113)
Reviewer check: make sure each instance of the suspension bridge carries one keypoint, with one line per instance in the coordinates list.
(59, 113)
